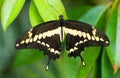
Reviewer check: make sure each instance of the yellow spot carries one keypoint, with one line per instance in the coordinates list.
(17, 44)
(93, 38)
(31, 40)
(47, 45)
(43, 43)
(48, 48)
(93, 27)
(57, 52)
(51, 33)
(46, 69)
(97, 38)
(40, 36)
(75, 32)
(76, 44)
(81, 42)
(22, 42)
(94, 31)
(85, 40)
(83, 63)
(88, 36)
(75, 48)
(71, 50)
(38, 42)
(35, 38)
(101, 39)
(69, 31)
(45, 34)
(27, 40)
(31, 29)
(30, 34)
(106, 42)
(79, 33)
(51, 50)
(84, 35)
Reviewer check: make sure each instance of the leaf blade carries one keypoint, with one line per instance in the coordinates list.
(117, 49)
(24, 57)
(111, 30)
(9, 14)
(51, 9)
(34, 14)
(84, 72)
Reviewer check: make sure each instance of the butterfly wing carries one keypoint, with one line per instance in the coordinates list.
(44, 37)
(80, 35)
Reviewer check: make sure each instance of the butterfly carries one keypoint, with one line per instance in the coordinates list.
(49, 36)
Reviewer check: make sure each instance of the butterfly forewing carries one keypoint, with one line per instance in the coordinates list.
(80, 35)
(48, 37)
(45, 37)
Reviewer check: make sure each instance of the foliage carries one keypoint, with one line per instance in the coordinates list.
(16, 17)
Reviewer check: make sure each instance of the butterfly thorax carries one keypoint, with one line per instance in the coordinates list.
(61, 24)
(61, 20)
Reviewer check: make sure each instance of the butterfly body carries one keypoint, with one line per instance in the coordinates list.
(49, 36)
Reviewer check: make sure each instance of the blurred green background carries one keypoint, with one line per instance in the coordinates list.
(17, 16)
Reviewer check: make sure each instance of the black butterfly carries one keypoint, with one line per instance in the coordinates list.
(48, 37)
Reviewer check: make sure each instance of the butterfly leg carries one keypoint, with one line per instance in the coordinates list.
(47, 66)
(83, 62)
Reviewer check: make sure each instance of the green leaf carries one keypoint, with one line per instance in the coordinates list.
(69, 65)
(107, 71)
(1, 3)
(34, 15)
(50, 9)
(96, 70)
(93, 16)
(27, 56)
(117, 48)
(113, 50)
(35, 19)
(10, 10)
(91, 55)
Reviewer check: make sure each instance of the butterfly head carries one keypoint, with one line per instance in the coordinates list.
(61, 19)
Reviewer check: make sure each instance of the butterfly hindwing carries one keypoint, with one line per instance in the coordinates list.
(44, 37)
(80, 35)
(50, 35)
